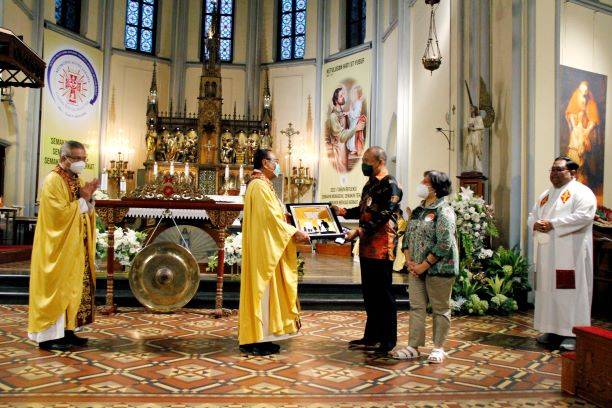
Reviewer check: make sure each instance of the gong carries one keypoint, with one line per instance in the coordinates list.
(164, 276)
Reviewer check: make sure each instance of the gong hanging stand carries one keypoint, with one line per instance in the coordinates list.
(165, 276)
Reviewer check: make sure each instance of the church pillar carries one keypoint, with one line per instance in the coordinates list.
(251, 99)
(179, 53)
(32, 137)
(377, 80)
(107, 49)
(403, 169)
(508, 132)
(322, 51)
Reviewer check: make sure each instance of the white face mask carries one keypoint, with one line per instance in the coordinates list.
(422, 191)
(77, 167)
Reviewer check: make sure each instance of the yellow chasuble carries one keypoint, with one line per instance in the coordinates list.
(269, 260)
(58, 255)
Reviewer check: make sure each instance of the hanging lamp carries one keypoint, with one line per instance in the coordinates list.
(432, 58)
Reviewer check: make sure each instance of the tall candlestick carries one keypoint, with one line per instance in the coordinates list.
(122, 185)
(155, 169)
(172, 168)
(104, 180)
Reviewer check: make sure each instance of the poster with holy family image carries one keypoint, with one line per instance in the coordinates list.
(345, 128)
(582, 127)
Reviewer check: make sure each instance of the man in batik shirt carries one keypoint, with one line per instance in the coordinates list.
(377, 232)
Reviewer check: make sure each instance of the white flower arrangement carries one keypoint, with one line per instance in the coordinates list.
(100, 195)
(233, 249)
(233, 253)
(474, 221)
(127, 244)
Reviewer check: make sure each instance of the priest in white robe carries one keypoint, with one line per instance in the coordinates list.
(562, 226)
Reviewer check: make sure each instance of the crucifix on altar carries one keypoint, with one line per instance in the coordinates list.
(289, 132)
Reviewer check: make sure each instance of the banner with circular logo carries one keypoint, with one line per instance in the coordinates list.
(71, 102)
(72, 82)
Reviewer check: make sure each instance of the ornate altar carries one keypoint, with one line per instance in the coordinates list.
(217, 217)
(208, 140)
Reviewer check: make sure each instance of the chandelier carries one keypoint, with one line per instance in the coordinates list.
(432, 59)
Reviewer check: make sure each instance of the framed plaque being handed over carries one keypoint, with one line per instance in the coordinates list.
(316, 219)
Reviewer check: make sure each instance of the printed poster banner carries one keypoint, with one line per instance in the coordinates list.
(71, 104)
(345, 113)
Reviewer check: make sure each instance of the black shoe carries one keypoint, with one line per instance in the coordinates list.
(75, 340)
(255, 349)
(54, 345)
(549, 339)
(268, 345)
(361, 343)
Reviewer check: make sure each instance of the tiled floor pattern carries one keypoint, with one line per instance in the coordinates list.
(140, 359)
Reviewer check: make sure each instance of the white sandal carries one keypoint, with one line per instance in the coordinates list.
(406, 353)
(436, 356)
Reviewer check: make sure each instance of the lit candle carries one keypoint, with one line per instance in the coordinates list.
(241, 173)
(226, 172)
(104, 180)
(186, 169)
(122, 185)
(172, 168)
(155, 169)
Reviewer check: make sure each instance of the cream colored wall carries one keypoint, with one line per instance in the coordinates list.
(544, 94)
(333, 33)
(14, 117)
(241, 26)
(501, 131)
(267, 43)
(429, 101)
(290, 88)
(194, 22)
(131, 80)
(312, 29)
(388, 89)
(585, 44)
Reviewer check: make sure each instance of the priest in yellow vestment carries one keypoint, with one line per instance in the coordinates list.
(62, 272)
(269, 308)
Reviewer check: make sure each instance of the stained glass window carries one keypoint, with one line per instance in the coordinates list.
(291, 29)
(355, 22)
(68, 14)
(140, 24)
(225, 28)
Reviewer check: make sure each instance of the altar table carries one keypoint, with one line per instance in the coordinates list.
(216, 216)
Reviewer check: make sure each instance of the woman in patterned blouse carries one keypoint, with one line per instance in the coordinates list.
(432, 258)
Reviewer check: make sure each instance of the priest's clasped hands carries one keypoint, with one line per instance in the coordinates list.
(543, 226)
(87, 190)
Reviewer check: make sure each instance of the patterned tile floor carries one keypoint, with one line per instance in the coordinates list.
(139, 359)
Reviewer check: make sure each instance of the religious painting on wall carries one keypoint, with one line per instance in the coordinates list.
(582, 124)
(316, 219)
(344, 115)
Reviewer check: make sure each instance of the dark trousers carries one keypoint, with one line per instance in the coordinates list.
(381, 310)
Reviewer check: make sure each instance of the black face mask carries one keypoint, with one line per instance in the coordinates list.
(367, 169)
